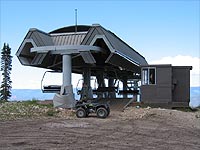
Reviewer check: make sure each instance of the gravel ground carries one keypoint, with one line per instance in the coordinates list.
(134, 128)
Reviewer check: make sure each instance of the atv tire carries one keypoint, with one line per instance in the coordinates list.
(102, 112)
(108, 109)
(81, 113)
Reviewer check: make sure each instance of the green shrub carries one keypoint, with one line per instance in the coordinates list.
(52, 112)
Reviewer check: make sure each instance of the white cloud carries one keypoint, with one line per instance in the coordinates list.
(184, 61)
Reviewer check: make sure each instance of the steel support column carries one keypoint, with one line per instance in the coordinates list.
(67, 70)
(101, 83)
(124, 86)
(86, 91)
(66, 98)
(111, 85)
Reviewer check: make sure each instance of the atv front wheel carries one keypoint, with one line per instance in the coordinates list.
(102, 112)
(81, 113)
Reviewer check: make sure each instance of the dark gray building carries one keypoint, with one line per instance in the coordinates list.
(165, 85)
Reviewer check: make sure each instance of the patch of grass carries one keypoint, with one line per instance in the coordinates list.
(52, 112)
(187, 109)
(47, 105)
(37, 103)
(25, 109)
(31, 102)
(30, 110)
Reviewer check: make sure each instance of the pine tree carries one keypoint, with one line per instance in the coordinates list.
(6, 67)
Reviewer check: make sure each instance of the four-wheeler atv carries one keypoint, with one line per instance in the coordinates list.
(83, 109)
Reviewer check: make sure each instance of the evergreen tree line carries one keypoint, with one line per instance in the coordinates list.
(6, 68)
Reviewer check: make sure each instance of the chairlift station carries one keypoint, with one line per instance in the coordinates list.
(94, 51)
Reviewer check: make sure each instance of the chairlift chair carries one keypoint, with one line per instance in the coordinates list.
(50, 88)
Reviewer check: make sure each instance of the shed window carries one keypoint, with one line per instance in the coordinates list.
(148, 76)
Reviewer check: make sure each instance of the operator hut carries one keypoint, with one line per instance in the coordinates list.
(165, 85)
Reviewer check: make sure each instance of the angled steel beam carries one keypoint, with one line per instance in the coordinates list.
(66, 49)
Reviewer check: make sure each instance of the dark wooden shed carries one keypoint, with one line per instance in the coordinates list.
(165, 85)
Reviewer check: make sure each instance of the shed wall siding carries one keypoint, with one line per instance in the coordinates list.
(160, 92)
(181, 92)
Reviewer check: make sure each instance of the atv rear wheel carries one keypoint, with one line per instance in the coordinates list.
(81, 113)
(102, 112)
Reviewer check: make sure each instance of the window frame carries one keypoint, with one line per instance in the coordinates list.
(146, 76)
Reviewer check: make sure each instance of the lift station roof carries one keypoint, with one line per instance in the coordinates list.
(90, 46)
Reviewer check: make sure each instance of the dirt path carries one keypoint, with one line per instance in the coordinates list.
(144, 129)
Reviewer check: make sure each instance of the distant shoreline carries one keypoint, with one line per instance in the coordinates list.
(36, 94)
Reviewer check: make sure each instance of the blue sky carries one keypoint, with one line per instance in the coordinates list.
(162, 31)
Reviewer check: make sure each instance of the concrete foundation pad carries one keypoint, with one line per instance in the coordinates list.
(64, 101)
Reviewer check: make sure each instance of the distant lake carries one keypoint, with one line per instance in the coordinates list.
(30, 94)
